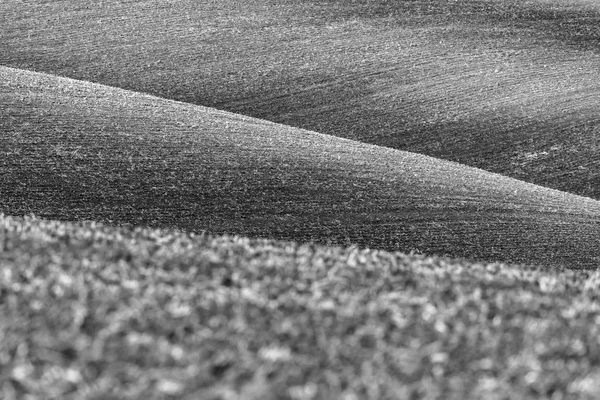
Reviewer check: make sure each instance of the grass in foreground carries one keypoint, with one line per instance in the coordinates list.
(92, 312)
(509, 86)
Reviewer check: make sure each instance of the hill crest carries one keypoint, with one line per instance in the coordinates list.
(86, 151)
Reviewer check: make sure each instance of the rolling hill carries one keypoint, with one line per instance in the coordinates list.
(201, 117)
(76, 151)
(508, 86)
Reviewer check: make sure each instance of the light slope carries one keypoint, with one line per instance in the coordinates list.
(509, 86)
(96, 312)
(73, 150)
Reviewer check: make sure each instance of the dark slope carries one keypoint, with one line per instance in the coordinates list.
(98, 312)
(509, 86)
(73, 150)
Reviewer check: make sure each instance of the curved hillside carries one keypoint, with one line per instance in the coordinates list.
(73, 150)
(508, 86)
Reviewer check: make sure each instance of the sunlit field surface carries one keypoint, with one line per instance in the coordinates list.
(508, 86)
(74, 150)
(281, 199)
